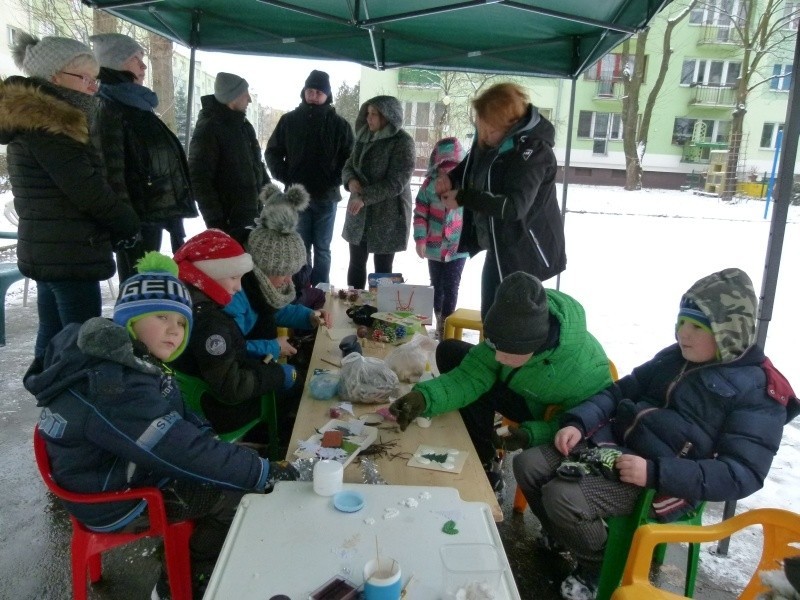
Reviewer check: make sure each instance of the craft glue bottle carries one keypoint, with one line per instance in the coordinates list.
(427, 375)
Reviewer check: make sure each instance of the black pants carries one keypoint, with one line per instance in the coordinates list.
(478, 416)
(212, 511)
(357, 270)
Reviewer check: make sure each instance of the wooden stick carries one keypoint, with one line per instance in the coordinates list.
(330, 362)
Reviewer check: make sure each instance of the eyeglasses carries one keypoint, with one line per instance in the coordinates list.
(87, 81)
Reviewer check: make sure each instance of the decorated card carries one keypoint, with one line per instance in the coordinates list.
(437, 458)
(338, 440)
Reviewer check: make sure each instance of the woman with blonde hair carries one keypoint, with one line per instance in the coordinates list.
(507, 187)
(69, 218)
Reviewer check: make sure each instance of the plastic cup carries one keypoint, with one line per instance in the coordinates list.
(471, 569)
(328, 476)
(382, 579)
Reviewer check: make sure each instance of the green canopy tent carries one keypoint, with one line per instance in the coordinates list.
(551, 38)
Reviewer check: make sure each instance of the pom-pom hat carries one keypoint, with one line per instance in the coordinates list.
(210, 255)
(276, 246)
(156, 288)
(46, 57)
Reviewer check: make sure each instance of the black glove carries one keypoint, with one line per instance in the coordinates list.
(590, 461)
(407, 408)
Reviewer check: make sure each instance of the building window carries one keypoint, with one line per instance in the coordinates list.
(420, 120)
(719, 73)
(547, 113)
(597, 125)
(781, 78)
(700, 131)
(791, 14)
(720, 13)
(11, 35)
(769, 135)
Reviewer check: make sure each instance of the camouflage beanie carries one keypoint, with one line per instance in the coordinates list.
(728, 301)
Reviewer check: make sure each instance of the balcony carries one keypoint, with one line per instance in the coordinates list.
(719, 35)
(699, 151)
(713, 96)
(608, 89)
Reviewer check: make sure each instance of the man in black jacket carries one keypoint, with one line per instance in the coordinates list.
(310, 146)
(225, 159)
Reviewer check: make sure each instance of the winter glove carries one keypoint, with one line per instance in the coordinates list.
(289, 376)
(281, 470)
(516, 439)
(407, 408)
(590, 461)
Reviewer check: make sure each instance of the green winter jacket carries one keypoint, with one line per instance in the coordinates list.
(566, 375)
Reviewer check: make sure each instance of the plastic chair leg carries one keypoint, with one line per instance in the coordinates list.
(520, 502)
(179, 568)
(269, 413)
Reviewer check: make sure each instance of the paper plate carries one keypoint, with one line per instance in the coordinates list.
(348, 501)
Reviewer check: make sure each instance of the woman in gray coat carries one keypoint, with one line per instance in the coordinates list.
(378, 177)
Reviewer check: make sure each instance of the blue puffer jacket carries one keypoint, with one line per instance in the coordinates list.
(708, 432)
(113, 420)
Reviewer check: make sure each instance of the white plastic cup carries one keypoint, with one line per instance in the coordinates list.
(328, 477)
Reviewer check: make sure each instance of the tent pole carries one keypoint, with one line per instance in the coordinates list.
(192, 64)
(567, 151)
(780, 211)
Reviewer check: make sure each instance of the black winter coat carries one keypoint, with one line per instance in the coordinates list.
(144, 161)
(226, 167)
(310, 146)
(113, 420)
(217, 353)
(68, 215)
(518, 198)
(718, 417)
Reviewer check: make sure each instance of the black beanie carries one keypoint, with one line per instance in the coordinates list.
(519, 321)
(318, 80)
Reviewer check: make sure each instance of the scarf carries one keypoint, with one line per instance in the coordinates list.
(275, 298)
(130, 94)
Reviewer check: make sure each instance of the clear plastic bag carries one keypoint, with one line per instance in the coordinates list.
(367, 380)
(408, 361)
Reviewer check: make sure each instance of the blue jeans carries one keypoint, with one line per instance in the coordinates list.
(62, 302)
(316, 228)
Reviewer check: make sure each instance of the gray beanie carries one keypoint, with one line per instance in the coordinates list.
(228, 87)
(46, 57)
(274, 244)
(113, 49)
(519, 321)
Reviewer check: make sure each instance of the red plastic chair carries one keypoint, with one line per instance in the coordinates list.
(87, 545)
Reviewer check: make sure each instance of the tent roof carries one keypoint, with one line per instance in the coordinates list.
(558, 38)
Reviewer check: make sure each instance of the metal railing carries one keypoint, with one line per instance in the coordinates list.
(713, 95)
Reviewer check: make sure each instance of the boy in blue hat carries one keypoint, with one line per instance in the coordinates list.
(113, 419)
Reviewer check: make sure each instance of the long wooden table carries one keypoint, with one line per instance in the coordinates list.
(446, 430)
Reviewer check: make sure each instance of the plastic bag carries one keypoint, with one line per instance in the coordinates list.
(366, 379)
(408, 360)
(323, 386)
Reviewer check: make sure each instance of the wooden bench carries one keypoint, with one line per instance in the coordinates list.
(9, 274)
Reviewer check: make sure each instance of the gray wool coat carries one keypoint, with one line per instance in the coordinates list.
(383, 162)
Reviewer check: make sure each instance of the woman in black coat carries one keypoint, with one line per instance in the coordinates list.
(145, 162)
(68, 215)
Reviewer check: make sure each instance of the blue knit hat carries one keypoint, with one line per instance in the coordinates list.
(155, 289)
(690, 311)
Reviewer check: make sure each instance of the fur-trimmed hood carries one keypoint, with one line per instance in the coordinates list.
(28, 104)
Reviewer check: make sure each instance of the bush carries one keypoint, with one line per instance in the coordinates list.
(5, 182)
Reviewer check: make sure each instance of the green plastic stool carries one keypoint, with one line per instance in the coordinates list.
(620, 535)
(193, 388)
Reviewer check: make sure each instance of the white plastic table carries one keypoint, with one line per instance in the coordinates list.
(292, 541)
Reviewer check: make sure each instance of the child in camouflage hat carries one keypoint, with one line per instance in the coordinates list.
(700, 421)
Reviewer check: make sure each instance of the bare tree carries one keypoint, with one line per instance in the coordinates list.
(765, 28)
(163, 83)
(635, 133)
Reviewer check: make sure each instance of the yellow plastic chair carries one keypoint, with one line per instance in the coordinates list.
(781, 529)
(461, 319)
(193, 388)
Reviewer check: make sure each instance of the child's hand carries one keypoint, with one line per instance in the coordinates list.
(567, 438)
(443, 184)
(421, 248)
(632, 469)
(449, 199)
(320, 317)
(286, 348)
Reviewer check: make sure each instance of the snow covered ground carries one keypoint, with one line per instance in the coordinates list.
(631, 255)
